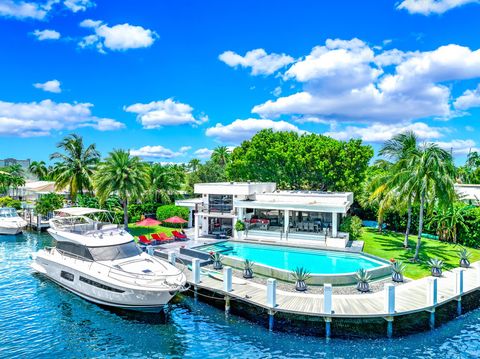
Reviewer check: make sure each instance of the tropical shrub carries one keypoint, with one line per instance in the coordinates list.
(170, 210)
(353, 226)
(239, 226)
(10, 202)
(48, 203)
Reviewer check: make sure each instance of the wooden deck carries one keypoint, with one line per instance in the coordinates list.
(409, 298)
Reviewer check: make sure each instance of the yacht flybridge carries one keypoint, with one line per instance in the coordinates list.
(101, 262)
(10, 221)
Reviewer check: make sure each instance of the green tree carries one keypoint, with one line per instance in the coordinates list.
(76, 165)
(48, 203)
(165, 182)
(448, 220)
(39, 169)
(429, 173)
(221, 155)
(193, 164)
(293, 161)
(124, 175)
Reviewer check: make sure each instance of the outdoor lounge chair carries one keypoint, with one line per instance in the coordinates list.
(144, 240)
(161, 237)
(179, 236)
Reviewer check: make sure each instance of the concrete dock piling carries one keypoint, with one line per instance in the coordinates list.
(432, 299)
(459, 289)
(172, 257)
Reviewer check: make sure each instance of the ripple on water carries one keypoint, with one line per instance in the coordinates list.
(39, 319)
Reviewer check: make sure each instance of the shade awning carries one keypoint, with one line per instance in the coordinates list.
(79, 211)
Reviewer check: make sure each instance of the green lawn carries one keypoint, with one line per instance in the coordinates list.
(390, 245)
(139, 230)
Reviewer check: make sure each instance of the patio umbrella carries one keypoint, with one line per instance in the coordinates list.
(176, 220)
(147, 222)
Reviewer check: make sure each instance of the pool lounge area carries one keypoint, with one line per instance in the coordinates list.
(277, 261)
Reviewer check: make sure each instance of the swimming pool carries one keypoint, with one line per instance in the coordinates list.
(288, 258)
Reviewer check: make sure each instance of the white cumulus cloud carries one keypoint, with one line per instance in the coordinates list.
(41, 118)
(159, 152)
(167, 112)
(459, 147)
(240, 130)
(258, 60)
(118, 37)
(42, 35)
(469, 99)
(23, 9)
(203, 152)
(49, 86)
(428, 7)
(78, 5)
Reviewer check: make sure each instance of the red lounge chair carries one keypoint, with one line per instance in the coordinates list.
(178, 235)
(144, 240)
(161, 237)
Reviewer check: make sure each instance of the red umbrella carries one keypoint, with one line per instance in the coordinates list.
(147, 222)
(176, 220)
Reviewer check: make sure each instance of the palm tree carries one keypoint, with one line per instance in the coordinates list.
(399, 149)
(193, 164)
(76, 166)
(39, 169)
(221, 155)
(165, 182)
(449, 219)
(124, 175)
(429, 173)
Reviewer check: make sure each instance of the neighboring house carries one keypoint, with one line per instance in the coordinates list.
(269, 213)
(12, 161)
(469, 193)
(35, 189)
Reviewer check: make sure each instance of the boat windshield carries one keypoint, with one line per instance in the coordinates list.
(120, 251)
(8, 213)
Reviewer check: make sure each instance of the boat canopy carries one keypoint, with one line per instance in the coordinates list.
(79, 211)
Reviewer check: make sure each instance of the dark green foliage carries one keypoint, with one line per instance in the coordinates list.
(170, 210)
(9, 202)
(353, 226)
(296, 161)
(48, 202)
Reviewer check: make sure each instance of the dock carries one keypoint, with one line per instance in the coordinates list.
(424, 296)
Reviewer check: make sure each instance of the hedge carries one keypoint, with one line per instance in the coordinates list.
(170, 210)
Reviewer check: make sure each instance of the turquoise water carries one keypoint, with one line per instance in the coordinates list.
(288, 258)
(38, 319)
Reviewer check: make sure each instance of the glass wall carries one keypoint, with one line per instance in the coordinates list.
(265, 219)
(317, 222)
(220, 203)
(220, 227)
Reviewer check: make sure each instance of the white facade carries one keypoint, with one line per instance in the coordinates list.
(269, 212)
(468, 192)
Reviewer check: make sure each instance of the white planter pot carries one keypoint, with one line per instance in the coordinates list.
(240, 235)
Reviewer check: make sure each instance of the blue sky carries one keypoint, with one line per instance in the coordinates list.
(170, 80)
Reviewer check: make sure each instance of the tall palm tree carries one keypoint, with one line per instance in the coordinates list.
(76, 165)
(399, 149)
(124, 175)
(221, 155)
(193, 164)
(39, 169)
(165, 182)
(430, 173)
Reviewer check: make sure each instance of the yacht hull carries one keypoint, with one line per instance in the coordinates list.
(11, 230)
(94, 289)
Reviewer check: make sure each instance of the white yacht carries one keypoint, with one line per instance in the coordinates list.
(101, 262)
(10, 221)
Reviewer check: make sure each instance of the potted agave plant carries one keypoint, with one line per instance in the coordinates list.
(464, 255)
(436, 266)
(248, 269)
(363, 279)
(301, 275)
(217, 260)
(397, 271)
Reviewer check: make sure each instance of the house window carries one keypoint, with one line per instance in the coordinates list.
(220, 203)
(100, 285)
(67, 276)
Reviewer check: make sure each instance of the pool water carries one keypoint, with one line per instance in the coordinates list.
(288, 258)
(38, 319)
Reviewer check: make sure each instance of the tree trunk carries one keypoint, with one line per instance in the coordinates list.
(420, 226)
(409, 222)
(125, 214)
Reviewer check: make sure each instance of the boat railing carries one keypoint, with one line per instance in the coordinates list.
(119, 273)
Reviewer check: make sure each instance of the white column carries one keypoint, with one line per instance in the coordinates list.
(197, 226)
(172, 257)
(190, 217)
(459, 282)
(271, 293)
(432, 292)
(389, 291)
(327, 298)
(334, 224)
(286, 220)
(227, 279)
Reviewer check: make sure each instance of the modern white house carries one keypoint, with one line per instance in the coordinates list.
(468, 193)
(268, 213)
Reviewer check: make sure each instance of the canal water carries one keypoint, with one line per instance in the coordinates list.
(38, 319)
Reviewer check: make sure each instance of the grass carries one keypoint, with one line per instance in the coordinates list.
(390, 245)
(147, 231)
